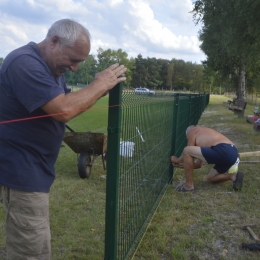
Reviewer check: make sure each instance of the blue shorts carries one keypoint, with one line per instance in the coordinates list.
(222, 155)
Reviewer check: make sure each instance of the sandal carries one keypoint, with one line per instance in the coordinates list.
(238, 182)
(182, 189)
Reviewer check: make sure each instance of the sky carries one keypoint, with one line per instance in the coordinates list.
(163, 29)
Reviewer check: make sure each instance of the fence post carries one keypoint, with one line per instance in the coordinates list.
(174, 131)
(113, 141)
(201, 103)
(190, 107)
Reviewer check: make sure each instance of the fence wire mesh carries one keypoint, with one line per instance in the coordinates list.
(152, 128)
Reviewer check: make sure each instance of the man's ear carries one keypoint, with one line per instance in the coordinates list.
(55, 40)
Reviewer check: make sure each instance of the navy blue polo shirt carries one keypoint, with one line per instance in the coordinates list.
(28, 147)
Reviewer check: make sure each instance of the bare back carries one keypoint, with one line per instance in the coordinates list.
(205, 137)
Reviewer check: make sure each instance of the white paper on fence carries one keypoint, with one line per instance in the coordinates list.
(127, 149)
(139, 134)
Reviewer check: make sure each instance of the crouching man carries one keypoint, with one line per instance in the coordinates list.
(206, 145)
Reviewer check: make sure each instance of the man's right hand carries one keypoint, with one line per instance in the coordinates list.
(111, 76)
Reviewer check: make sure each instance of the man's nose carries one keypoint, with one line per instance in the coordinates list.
(74, 67)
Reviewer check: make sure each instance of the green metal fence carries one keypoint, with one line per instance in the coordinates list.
(143, 132)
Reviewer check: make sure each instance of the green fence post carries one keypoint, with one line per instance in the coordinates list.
(174, 131)
(190, 107)
(113, 141)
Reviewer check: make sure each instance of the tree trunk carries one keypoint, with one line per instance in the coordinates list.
(242, 81)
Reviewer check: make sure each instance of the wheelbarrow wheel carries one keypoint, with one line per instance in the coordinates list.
(84, 165)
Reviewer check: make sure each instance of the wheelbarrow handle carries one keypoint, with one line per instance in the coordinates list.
(69, 128)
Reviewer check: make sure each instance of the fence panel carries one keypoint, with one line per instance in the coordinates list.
(135, 186)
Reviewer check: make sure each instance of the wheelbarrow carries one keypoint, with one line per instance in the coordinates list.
(87, 146)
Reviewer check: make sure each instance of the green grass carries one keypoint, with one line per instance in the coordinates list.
(204, 224)
(94, 120)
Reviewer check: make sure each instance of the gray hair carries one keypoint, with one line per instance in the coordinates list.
(68, 31)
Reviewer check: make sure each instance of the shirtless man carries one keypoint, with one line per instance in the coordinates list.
(209, 146)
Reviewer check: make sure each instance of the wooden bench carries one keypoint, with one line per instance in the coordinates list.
(228, 103)
(238, 107)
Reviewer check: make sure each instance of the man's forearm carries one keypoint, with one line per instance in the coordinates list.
(65, 107)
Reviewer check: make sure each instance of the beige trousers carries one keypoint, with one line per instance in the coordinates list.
(27, 224)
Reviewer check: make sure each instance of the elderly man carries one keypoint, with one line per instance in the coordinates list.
(209, 146)
(32, 86)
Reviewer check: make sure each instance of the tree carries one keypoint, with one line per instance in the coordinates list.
(169, 75)
(109, 57)
(85, 74)
(164, 64)
(147, 72)
(153, 73)
(229, 40)
(105, 58)
(139, 72)
(90, 69)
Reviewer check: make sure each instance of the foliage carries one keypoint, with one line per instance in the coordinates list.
(230, 38)
(187, 76)
(147, 72)
(142, 72)
(108, 57)
(85, 73)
